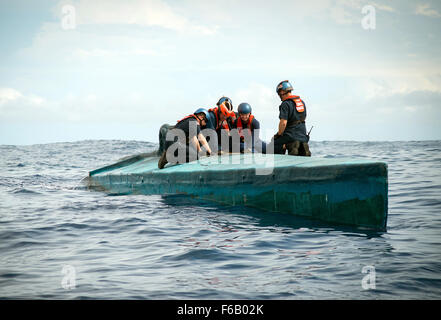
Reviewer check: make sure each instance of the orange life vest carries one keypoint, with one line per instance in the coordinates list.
(240, 126)
(190, 116)
(300, 107)
(223, 124)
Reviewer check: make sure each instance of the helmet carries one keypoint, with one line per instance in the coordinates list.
(244, 108)
(222, 108)
(211, 120)
(202, 110)
(229, 103)
(284, 85)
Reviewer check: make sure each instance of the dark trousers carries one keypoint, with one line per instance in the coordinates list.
(256, 147)
(278, 144)
(298, 148)
(191, 153)
(295, 148)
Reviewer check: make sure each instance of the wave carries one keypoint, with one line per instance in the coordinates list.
(25, 191)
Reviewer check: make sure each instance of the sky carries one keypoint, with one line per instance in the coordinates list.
(107, 69)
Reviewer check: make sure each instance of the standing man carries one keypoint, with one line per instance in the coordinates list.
(292, 129)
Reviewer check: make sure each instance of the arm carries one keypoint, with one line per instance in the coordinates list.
(256, 128)
(204, 143)
(283, 116)
(194, 141)
(282, 126)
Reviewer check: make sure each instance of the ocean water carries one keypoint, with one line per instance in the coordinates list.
(59, 240)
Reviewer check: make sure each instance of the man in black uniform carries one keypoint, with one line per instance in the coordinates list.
(291, 134)
(193, 144)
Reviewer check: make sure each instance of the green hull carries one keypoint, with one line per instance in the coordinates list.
(341, 191)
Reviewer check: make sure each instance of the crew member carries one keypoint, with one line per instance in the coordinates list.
(217, 119)
(229, 104)
(195, 142)
(248, 128)
(291, 134)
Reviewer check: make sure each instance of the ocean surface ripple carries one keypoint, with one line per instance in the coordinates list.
(59, 240)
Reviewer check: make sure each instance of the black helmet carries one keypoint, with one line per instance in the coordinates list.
(244, 108)
(202, 110)
(285, 86)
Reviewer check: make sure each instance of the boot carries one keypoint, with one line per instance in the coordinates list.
(163, 160)
(307, 153)
(293, 148)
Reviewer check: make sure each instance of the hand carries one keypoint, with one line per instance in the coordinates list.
(204, 153)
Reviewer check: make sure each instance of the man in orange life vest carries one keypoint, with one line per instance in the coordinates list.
(195, 142)
(248, 128)
(217, 119)
(229, 104)
(292, 129)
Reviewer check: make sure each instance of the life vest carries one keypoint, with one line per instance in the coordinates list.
(240, 126)
(300, 107)
(223, 125)
(190, 116)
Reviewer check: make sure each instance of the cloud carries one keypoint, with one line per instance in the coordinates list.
(400, 101)
(418, 98)
(53, 45)
(16, 106)
(101, 53)
(115, 32)
(262, 99)
(149, 13)
(426, 10)
(348, 12)
(342, 15)
(127, 107)
(403, 85)
(9, 95)
(383, 7)
(420, 108)
(12, 96)
(264, 103)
